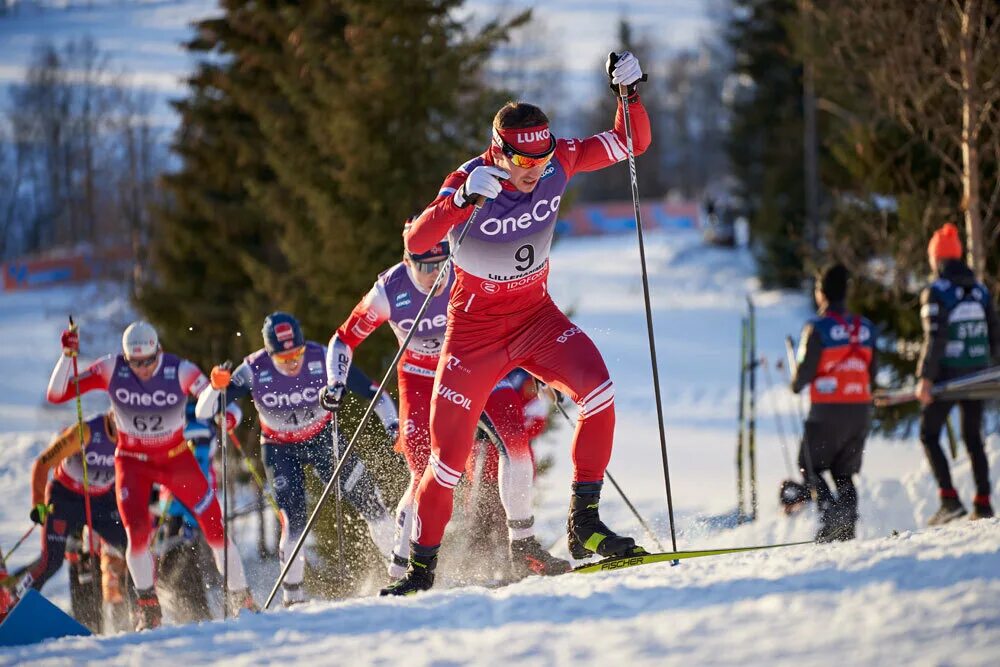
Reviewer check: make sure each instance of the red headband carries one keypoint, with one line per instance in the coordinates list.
(528, 140)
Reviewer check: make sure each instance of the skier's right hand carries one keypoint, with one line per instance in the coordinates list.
(331, 396)
(220, 377)
(70, 340)
(40, 512)
(484, 181)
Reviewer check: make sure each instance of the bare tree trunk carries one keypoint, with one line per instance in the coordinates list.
(970, 149)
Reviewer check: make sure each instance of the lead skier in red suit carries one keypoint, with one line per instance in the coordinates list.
(500, 315)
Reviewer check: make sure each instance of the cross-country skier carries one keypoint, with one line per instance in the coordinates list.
(148, 389)
(961, 336)
(395, 298)
(182, 554)
(500, 315)
(285, 378)
(836, 360)
(58, 505)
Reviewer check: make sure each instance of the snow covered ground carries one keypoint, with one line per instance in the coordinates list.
(922, 596)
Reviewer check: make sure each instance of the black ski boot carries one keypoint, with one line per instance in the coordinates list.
(420, 574)
(951, 509)
(981, 508)
(586, 533)
(527, 557)
(148, 611)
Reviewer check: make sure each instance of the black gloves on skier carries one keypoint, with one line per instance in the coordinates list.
(40, 512)
(331, 396)
(623, 69)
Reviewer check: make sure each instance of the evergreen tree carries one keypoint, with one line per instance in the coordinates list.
(311, 132)
(765, 142)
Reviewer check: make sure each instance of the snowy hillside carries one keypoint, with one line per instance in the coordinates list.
(924, 596)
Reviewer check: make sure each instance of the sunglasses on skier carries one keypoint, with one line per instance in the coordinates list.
(429, 267)
(142, 363)
(289, 356)
(521, 159)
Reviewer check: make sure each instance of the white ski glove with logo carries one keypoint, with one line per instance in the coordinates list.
(483, 181)
(623, 69)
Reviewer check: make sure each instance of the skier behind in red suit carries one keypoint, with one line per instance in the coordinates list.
(396, 298)
(500, 315)
(149, 390)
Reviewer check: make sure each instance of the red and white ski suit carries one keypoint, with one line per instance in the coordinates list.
(500, 316)
(151, 450)
(395, 299)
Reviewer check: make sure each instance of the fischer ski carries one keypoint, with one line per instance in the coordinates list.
(621, 562)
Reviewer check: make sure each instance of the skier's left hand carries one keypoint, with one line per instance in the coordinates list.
(331, 396)
(623, 69)
(40, 513)
(220, 377)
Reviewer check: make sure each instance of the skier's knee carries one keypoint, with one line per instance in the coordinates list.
(444, 474)
(598, 399)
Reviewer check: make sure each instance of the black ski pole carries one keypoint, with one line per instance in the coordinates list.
(804, 445)
(621, 492)
(623, 92)
(446, 265)
(779, 420)
(223, 445)
(338, 500)
(752, 424)
(741, 427)
(20, 541)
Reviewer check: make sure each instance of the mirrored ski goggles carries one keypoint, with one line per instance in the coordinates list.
(289, 356)
(520, 159)
(142, 363)
(429, 267)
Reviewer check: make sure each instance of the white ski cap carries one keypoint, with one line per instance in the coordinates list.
(140, 340)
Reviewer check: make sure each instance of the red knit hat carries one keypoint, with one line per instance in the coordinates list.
(945, 243)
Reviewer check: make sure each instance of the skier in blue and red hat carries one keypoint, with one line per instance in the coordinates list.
(284, 379)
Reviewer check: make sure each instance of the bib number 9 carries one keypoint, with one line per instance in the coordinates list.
(526, 255)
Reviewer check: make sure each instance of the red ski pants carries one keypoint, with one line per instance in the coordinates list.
(177, 470)
(503, 408)
(482, 347)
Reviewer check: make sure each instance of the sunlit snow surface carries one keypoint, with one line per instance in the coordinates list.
(922, 597)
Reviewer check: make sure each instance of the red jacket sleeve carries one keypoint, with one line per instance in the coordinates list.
(96, 377)
(608, 147)
(440, 216)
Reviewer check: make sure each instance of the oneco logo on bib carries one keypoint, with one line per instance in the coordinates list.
(540, 212)
(276, 400)
(98, 459)
(158, 398)
(426, 324)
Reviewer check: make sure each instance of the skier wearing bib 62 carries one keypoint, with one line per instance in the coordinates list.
(148, 390)
(500, 315)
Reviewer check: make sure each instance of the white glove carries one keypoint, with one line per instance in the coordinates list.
(623, 68)
(483, 181)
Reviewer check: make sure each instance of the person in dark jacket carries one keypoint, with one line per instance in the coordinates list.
(961, 336)
(836, 360)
